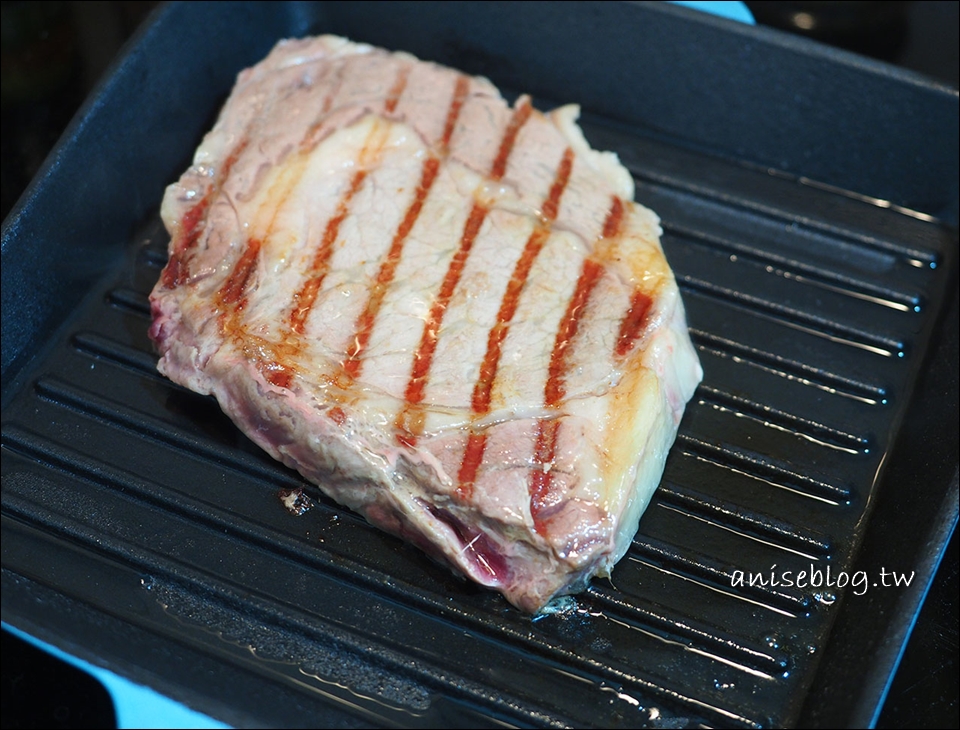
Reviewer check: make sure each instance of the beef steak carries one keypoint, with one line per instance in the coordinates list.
(444, 310)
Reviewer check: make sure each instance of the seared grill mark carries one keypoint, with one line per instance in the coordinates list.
(611, 226)
(423, 358)
(305, 297)
(177, 270)
(232, 296)
(388, 268)
(460, 92)
(480, 402)
(541, 477)
(554, 391)
(470, 463)
(175, 273)
(364, 326)
(520, 116)
(190, 233)
(508, 307)
(409, 422)
(635, 318)
(272, 359)
(633, 322)
(552, 204)
(393, 97)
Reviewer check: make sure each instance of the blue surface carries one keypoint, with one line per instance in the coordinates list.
(730, 10)
(135, 706)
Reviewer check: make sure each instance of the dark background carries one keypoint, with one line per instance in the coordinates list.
(53, 53)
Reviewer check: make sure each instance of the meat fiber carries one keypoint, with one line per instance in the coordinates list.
(445, 311)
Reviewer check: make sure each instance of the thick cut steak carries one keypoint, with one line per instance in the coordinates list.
(444, 310)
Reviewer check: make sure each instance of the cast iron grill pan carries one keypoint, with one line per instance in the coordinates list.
(148, 531)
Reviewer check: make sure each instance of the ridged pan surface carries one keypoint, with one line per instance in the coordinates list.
(810, 309)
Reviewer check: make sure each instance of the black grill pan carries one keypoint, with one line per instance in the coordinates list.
(809, 202)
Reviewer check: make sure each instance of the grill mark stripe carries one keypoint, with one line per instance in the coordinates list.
(555, 391)
(397, 90)
(305, 297)
(364, 326)
(511, 298)
(633, 323)
(177, 271)
(191, 223)
(470, 463)
(508, 306)
(232, 296)
(264, 358)
(423, 357)
(611, 226)
(460, 92)
(409, 421)
(552, 204)
(431, 167)
(520, 116)
(541, 477)
(480, 402)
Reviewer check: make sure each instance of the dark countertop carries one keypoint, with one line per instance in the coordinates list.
(73, 43)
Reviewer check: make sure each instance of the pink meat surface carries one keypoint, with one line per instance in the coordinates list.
(444, 310)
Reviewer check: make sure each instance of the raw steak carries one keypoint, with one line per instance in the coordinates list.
(444, 310)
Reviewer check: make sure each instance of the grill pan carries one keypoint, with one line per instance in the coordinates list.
(809, 202)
